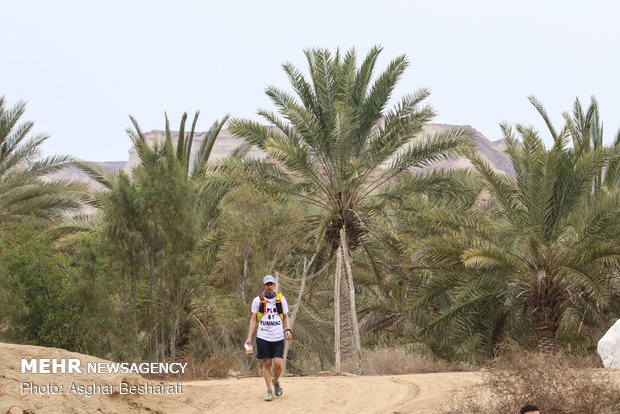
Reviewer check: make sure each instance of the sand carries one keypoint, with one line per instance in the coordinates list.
(419, 393)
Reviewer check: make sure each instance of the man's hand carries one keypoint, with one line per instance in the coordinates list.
(288, 335)
(248, 341)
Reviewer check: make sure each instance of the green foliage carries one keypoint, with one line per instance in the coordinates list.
(48, 300)
(263, 235)
(178, 249)
(550, 249)
(160, 224)
(97, 285)
(23, 192)
(34, 278)
(337, 146)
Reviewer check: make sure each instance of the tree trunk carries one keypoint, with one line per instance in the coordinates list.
(124, 294)
(153, 309)
(135, 313)
(293, 316)
(174, 334)
(337, 278)
(162, 332)
(347, 341)
(275, 257)
(546, 311)
(245, 274)
(497, 334)
(546, 342)
(352, 311)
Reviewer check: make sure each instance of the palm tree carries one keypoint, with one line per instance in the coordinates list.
(339, 150)
(553, 245)
(586, 131)
(25, 191)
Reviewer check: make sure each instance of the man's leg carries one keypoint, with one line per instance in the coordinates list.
(267, 371)
(277, 368)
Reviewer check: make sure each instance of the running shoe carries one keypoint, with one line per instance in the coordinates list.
(276, 386)
(269, 396)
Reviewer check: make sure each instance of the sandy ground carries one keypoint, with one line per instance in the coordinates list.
(421, 393)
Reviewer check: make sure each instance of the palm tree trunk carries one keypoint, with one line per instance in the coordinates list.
(302, 287)
(546, 341)
(353, 313)
(497, 334)
(546, 311)
(173, 338)
(347, 341)
(337, 277)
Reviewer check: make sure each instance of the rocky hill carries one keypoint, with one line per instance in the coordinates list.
(74, 173)
(491, 152)
(224, 145)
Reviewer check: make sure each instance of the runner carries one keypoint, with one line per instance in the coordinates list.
(270, 313)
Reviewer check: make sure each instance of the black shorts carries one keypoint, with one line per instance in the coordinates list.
(268, 350)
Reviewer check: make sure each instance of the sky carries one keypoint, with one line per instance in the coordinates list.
(83, 67)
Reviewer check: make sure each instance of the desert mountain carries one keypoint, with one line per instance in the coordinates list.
(491, 152)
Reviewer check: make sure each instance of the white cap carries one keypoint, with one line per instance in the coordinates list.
(268, 279)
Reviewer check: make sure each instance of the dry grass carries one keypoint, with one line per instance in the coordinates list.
(397, 361)
(555, 384)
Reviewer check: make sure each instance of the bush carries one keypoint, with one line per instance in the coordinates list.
(35, 290)
(556, 384)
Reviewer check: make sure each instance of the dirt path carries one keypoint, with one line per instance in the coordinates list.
(421, 393)
(418, 393)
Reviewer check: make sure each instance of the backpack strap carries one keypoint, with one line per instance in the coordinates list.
(262, 304)
(279, 305)
(261, 307)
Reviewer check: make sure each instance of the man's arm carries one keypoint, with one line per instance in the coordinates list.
(287, 325)
(251, 329)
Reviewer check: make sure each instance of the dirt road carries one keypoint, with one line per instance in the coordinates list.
(421, 393)
(417, 393)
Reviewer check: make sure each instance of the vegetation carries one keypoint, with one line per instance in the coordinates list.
(25, 190)
(554, 384)
(549, 249)
(160, 226)
(48, 300)
(454, 265)
(339, 151)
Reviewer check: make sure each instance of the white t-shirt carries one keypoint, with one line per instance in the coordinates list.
(270, 326)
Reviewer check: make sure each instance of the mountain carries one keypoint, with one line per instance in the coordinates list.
(490, 151)
(224, 145)
(74, 173)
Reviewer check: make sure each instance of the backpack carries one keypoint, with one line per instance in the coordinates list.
(263, 301)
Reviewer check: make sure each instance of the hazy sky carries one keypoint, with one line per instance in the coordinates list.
(84, 66)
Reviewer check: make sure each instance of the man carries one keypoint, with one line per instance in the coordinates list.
(530, 409)
(270, 313)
